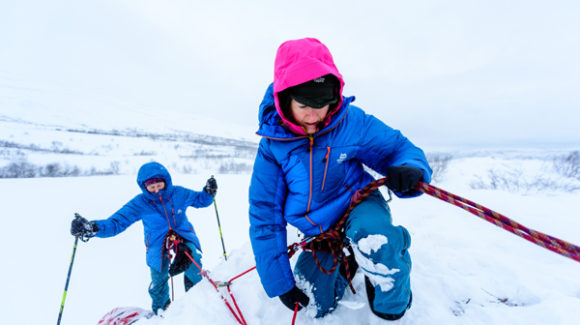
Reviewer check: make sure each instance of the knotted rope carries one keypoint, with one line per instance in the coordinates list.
(333, 240)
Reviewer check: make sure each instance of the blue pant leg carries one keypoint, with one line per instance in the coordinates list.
(159, 288)
(193, 272)
(381, 251)
(327, 289)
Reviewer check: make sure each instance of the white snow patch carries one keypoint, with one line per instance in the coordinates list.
(377, 272)
(385, 282)
(372, 243)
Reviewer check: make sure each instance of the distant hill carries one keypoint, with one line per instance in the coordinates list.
(30, 149)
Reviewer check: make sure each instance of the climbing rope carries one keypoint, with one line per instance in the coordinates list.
(172, 240)
(333, 240)
(237, 315)
(551, 243)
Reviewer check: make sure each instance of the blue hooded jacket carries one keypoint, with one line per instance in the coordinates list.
(308, 180)
(160, 213)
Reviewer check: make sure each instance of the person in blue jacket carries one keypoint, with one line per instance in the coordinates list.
(161, 207)
(310, 162)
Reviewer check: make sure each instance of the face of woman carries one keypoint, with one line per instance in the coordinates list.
(155, 187)
(307, 116)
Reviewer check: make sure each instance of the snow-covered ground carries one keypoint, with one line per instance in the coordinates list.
(101, 87)
(30, 148)
(465, 271)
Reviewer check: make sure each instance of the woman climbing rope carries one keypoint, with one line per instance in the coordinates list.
(307, 171)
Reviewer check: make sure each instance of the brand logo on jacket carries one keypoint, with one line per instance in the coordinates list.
(341, 158)
(179, 211)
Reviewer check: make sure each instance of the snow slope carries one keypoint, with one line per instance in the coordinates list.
(465, 271)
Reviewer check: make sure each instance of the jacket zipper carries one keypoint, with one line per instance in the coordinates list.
(165, 211)
(325, 160)
(311, 144)
(311, 138)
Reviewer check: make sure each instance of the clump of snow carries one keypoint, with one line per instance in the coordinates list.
(378, 273)
(371, 243)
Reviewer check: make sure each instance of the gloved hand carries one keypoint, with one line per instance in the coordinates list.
(403, 178)
(181, 261)
(290, 298)
(81, 227)
(211, 186)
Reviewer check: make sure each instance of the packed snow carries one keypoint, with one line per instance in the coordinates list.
(465, 270)
(371, 243)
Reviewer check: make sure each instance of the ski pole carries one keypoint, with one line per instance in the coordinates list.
(219, 226)
(67, 280)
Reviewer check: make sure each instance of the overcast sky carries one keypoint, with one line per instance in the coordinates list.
(447, 73)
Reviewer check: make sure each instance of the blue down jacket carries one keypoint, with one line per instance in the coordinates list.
(159, 212)
(308, 181)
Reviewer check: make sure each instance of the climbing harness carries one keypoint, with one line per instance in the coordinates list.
(334, 239)
(172, 240)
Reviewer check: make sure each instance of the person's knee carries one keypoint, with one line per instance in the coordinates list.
(384, 254)
(384, 240)
(370, 221)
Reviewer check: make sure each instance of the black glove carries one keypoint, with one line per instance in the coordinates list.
(290, 298)
(181, 261)
(211, 186)
(81, 227)
(403, 179)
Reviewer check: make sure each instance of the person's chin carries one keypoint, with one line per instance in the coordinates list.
(311, 128)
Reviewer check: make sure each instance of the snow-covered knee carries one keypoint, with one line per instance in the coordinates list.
(376, 257)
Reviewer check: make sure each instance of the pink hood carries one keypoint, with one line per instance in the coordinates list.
(299, 61)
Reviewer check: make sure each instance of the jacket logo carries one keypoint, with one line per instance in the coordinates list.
(341, 158)
(179, 211)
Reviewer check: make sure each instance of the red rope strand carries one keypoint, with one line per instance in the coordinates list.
(554, 244)
(295, 313)
(238, 316)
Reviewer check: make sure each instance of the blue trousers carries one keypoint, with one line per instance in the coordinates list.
(381, 250)
(159, 288)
